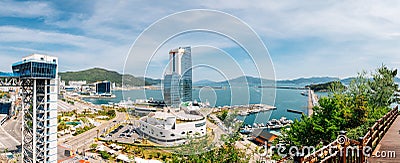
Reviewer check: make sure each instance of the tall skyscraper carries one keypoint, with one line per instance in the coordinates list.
(178, 78)
(171, 90)
(38, 75)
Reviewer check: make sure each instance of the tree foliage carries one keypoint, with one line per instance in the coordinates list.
(325, 87)
(354, 110)
(226, 153)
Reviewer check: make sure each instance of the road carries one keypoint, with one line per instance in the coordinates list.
(10, 134)
(218, 129)
(13, 127)
(217, 133)
(84, 140)
(64, 106)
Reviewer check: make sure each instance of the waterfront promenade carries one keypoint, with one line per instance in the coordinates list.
(312, 101)
(389, 145)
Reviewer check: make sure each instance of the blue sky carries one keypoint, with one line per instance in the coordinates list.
(304, 39)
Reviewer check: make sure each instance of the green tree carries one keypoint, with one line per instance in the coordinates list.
(222, 115)
(383, 86)
(93, 146)
(61, 126)
(227, 153)
(353, 110)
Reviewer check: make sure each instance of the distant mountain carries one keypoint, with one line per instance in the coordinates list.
(251, 81)
(346, 81)
(150, 81)
(239, 81)
(254, 81)
(307, 81)
(203, 82)
(99, 74)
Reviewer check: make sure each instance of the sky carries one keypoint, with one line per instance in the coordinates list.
(303, 39)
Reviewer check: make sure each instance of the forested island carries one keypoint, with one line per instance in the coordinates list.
(325, 87)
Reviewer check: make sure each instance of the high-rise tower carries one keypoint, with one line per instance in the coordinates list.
(38, 75)
(178, 76)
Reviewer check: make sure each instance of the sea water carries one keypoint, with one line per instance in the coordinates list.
(284, 99)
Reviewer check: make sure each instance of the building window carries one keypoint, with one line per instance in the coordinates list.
(190, 132)
(54, 60)
(161, 133)
(183, 133)
(42, 58)
(172, 134)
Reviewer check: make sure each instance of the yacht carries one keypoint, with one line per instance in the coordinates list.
(304, 93)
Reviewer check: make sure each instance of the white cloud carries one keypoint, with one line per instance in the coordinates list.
(353, 35)
(17, 34)
(25, 9)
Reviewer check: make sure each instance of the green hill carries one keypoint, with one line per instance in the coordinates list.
(98, 74)
(324, 87)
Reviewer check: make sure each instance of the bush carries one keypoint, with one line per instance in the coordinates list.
(104, 155)
(82, 130)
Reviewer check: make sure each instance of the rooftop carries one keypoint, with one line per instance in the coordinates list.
(37, 58)
(181, 115)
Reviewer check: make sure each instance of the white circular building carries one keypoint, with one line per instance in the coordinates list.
(172, 128)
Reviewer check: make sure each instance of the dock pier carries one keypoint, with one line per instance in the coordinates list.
(312, 101)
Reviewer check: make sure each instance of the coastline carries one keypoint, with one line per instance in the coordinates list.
(137, 88)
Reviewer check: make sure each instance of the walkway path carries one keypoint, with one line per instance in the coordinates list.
(312, 101)
(389, 146)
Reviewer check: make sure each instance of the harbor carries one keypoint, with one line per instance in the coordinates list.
(271, 124)
(245, 110)
(285, 99)
(253, 116)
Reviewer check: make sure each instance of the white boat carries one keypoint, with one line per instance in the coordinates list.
(255, 125)
(243, 113)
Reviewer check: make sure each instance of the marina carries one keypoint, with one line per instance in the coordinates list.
(253, 108)
(271, 124)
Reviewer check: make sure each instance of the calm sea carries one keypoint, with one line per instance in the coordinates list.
(284, 99)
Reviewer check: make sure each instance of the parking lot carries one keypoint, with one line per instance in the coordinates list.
(125, 133)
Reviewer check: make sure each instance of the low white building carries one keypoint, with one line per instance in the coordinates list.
(172, 128)
(77, 84)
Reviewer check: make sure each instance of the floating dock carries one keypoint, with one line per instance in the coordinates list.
(294, 111)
